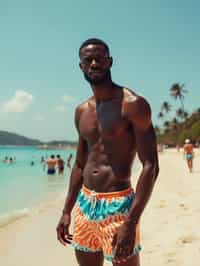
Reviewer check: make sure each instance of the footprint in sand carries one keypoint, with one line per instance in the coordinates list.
(186, 239)
(171, 258)
(183, 207)
(170, 254)
(162, 204)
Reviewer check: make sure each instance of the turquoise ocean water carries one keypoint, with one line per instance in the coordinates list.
(25, 187)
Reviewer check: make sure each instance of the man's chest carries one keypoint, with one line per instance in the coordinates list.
(106, 122)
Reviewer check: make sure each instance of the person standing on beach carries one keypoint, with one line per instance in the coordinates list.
(113, 125)
(188, 150)
(51, 164)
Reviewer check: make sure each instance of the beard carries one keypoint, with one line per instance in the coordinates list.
(98, 80)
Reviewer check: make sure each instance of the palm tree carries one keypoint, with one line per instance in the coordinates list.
(185, 115)
(160, 115)
(177, 91)
(166, 124)
(175, 124)
(180, 113)
(198, 110)
(174, 120)
(166, 107)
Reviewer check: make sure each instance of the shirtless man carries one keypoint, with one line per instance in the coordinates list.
(51, 164)
(189, 154)
(60, 164)
(113, 125)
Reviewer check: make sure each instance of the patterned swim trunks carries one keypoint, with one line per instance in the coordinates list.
(97, 218)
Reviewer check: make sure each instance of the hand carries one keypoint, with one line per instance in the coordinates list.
(63, 229)
(123, 242)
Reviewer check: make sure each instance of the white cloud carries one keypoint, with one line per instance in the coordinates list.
(68, 99)
(18, 103)
(39, 117)
(61, 108)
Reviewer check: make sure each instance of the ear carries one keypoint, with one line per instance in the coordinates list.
(81, 66)
(110, 61)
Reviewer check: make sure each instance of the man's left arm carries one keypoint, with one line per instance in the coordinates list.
(147, 152)
(139, 113)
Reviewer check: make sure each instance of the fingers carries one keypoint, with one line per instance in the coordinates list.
(121, 260)
(67, 238)
(63, 235)
(122, 253)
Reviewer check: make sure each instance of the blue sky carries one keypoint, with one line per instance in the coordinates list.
(153, 43)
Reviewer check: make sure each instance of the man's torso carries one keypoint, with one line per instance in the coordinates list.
(51, 163)
(60, 163)
(188, 148)
(111, 144)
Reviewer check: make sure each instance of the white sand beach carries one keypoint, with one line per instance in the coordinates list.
(169, 226)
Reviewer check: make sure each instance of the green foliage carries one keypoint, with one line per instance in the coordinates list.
(176, 133)
(195, 131)
(7, 138)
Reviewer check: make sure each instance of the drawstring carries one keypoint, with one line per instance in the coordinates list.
(93, 203)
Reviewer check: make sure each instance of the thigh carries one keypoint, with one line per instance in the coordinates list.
(133, 261)
(89, 258)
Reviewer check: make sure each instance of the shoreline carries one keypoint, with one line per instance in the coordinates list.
(169, 224)
(13, 216)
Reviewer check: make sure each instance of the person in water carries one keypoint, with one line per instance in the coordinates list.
(69, 161)
(51, 164)
(60, 164)
(113, 125)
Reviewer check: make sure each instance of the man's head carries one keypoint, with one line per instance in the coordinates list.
(95, 61)
(187, 141)
(52, 156)
(58, 156)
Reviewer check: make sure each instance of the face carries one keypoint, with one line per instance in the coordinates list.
(95, 63)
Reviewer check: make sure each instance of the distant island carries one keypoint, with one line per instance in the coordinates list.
(8, 138)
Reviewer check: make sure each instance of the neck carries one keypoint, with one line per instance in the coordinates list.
(105, 91)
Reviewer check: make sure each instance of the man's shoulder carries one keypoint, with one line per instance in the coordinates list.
(82, 107)
(85, 105)
(134, 102)
(137, 108)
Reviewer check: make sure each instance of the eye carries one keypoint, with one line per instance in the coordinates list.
(99, 59)
(86, 60)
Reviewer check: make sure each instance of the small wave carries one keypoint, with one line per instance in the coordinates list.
(13, 216)
(50, 203)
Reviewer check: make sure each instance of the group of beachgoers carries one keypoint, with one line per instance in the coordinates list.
(57, 163)
(9, 159)
(54, 163)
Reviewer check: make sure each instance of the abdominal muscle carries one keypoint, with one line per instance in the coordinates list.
(100, 176)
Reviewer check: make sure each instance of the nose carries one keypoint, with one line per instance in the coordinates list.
(94, 62)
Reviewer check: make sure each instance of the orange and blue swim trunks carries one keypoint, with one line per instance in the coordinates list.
(97, 218)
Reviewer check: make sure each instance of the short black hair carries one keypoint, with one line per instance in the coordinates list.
(58, 156)
(52, 156)
(94, 41)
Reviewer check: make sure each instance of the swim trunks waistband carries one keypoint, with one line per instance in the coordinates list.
(107, 195)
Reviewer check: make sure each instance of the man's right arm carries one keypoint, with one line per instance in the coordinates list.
(75, 183)
(76, 178)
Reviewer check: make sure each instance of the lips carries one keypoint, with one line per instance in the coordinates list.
(96, 73)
